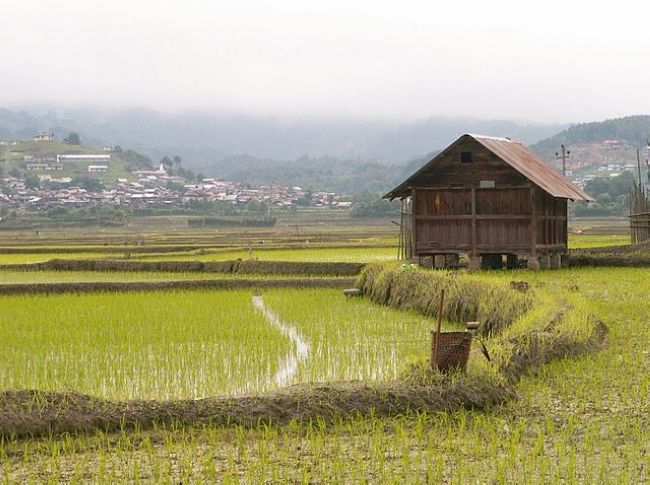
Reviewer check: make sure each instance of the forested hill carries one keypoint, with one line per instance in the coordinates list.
(324, 173)
(634, 129)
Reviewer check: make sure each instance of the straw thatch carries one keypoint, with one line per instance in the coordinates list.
(466, 299)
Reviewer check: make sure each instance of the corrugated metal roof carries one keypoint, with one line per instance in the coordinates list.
(518, 157)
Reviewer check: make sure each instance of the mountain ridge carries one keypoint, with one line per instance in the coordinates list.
(203, 138)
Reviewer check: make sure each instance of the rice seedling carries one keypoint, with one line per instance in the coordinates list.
(352, 339)
(579, 241)
(184, 344)
(158, 345)
(21, 258)
(46, 276)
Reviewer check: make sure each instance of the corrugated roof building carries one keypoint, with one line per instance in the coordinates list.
(490, 198)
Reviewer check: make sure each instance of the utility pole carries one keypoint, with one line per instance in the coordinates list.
(563, 157)
(647, 162)
(638, 166)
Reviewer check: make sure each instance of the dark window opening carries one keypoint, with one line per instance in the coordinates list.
(466, 157)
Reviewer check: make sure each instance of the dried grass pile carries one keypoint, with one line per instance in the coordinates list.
(466, 299)
(234, 266)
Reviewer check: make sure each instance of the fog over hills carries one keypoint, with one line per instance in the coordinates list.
(204, 139)
(342, 155)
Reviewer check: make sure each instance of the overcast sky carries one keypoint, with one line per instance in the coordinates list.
(543, 61)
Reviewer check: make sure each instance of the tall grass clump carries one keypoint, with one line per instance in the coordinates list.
(493, 304)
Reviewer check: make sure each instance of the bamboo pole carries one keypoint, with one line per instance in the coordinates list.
(436, 335)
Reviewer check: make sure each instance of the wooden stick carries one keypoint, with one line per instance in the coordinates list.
(437, 333)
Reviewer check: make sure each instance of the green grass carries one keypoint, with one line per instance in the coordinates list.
(579, 241)
(320, 254)
(29, 277)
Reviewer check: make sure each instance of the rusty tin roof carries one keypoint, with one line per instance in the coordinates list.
(518, 157)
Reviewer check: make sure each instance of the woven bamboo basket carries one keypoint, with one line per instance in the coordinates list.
(453, 351)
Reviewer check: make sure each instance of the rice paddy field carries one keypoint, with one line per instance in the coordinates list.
(583, 419)
(580, 241)
(192, 344)
(352, 247)
(319, 254)
(31, 277)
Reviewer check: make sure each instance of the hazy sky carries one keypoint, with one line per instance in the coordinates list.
(546, 61)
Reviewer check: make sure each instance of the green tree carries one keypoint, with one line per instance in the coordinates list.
(135, 160)
(90, 184)
(171, 185)
(32, 181)
(73, 138)
(604, 198)
(167, 162)
(376, 208)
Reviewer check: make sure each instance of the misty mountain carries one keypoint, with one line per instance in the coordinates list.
(633, 129)
(343, 156)
(417, 138)
(19, 125)
(201, 138)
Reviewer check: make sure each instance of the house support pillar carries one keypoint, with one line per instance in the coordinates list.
(533, 263)
(564, 260)
(556, 261)
(474, 263)
(544, 262)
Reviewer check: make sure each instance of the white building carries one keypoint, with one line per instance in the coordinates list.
(82, 157)
(97, 168)
(44, 137)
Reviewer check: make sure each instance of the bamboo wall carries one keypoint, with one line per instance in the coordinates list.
(639, 215)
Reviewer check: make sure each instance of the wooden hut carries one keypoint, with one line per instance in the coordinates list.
(490, 198)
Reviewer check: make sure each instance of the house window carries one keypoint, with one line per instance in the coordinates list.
(466, 157)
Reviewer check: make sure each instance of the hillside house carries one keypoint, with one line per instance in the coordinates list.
(490, 198)
(44, 136)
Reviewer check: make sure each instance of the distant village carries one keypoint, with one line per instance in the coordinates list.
(154, 188)
(608, 158)
(163, 188)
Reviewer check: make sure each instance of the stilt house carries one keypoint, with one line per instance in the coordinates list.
(487, 197)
